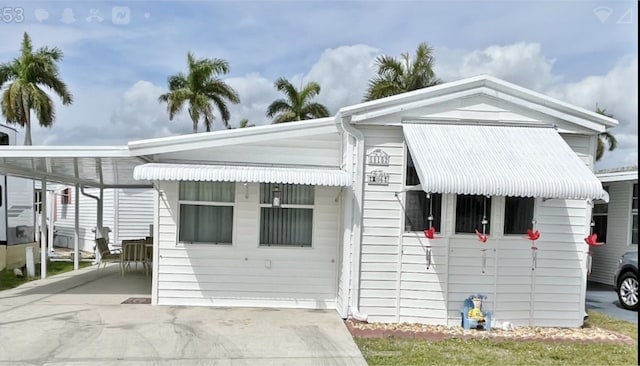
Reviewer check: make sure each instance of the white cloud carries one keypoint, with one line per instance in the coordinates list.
(617, 92)
(139, 115)
(520, 63)
(343, 74)
(114, 116)
(256, 93)
(65, 38)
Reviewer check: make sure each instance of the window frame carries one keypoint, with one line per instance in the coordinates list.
(206, 203)
(408, 188)
(504, 216)
(286, 206)
(492, 206)
(65, 196)
(604, 214)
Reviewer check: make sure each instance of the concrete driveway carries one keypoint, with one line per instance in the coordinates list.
(79, 319)
(603, 298)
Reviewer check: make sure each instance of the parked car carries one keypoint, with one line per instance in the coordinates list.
(626, 280)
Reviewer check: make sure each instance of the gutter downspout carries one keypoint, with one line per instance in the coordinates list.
(356, 217)
(99, 208)
(98, 219)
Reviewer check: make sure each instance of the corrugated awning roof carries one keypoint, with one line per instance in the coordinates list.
(94, 166)
(499, 161)
(250, 174)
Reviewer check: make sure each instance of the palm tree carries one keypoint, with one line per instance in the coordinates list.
(605, 138)
(395, 76)
(297, 105)
(245, 123)
(26, 76)
(200, 88)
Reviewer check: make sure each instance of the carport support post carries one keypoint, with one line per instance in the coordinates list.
(43, 231)
(76, 230)
(100, 210)
(50, 215)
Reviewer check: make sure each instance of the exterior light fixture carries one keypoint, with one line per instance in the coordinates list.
(276, 197)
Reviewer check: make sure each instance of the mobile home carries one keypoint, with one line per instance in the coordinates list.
(615, 222)
(394, 210)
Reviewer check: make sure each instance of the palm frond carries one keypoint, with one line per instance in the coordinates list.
(7, 73)
(315, 110)
(177, 81)
(175, 100)
(28, 74)
(286, 117)
(296, 106)
(201, 88)
(310, 90)
(395, 76)
(279, 106)
(220, 89)
(42, 106)
(220, 104)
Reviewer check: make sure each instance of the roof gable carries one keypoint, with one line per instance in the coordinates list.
(480, 98)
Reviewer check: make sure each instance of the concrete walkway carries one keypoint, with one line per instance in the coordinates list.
(79, 319)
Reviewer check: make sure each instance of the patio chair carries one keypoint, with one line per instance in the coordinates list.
(107, 255)
(133, 252)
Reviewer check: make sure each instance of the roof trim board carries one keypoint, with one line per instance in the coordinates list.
(622, 176)
(486, 85)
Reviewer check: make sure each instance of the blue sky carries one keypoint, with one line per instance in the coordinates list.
(580, 51)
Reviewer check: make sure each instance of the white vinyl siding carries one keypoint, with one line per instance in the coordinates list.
(319, 150)
(64, 220)
(619, 223)
(127, 212)
(396, 285)
(381, 228)
(134, 212)
(245, 274)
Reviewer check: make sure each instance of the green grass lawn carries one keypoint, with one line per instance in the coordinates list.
(476, 352)
(9, 280)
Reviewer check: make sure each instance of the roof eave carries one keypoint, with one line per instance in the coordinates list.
(232, 137)
(20, 151)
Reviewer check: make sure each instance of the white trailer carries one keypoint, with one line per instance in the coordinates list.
(17, 213)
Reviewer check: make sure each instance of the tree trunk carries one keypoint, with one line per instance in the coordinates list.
(27, 123)
(195, 125)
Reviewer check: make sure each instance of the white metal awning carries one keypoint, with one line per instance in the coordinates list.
(499, 161)
(249, 174)
(93, 166)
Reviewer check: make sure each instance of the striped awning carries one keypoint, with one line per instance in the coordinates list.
(249, 174)
(499, 161)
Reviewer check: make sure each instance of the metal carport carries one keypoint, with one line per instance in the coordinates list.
(83, 166)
